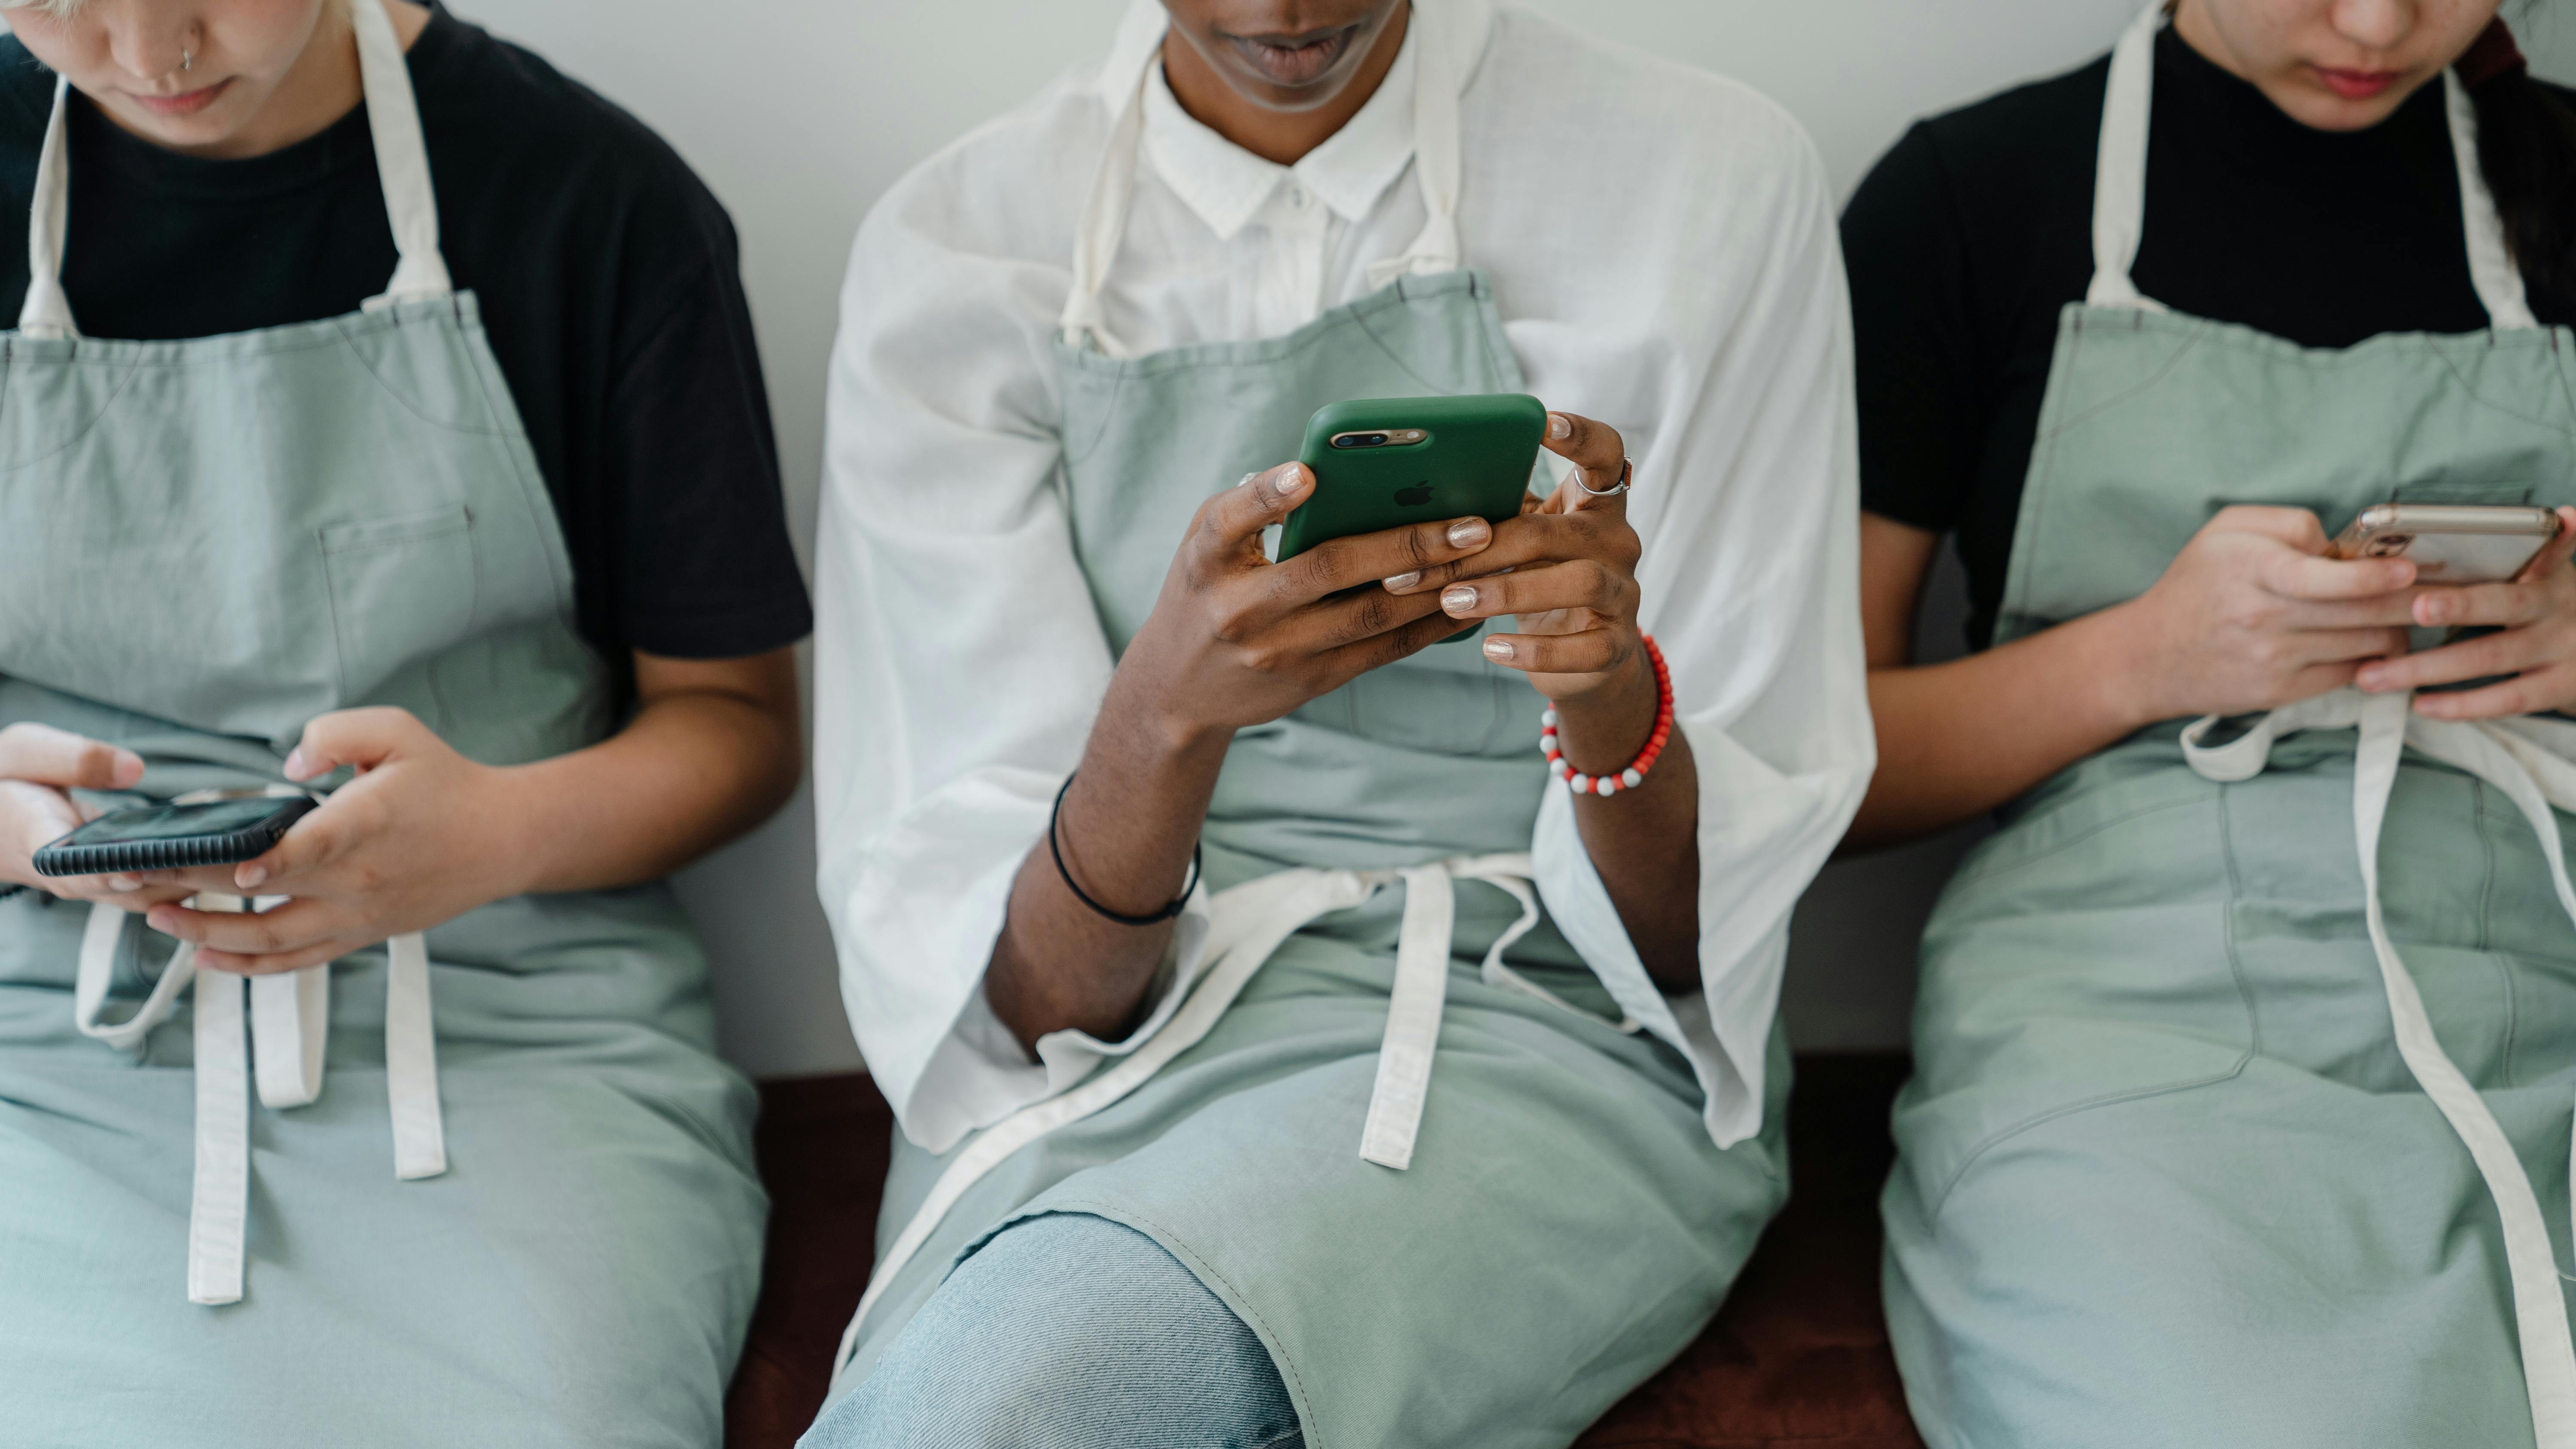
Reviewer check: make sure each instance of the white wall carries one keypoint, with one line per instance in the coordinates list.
(799, 112)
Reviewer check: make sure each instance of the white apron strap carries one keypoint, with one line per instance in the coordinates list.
(1437, 166)
(47, 312)
(1511, 874)
(290, 1020)
(411, 1061)
(2533, 780)
(2120, 164)
(219, 1202)
(2540, 1308)
(402, 159)
(1412, 1018)
(1255, 918)
(1437, 155)
(97, 968)
(2120, 186)
(2491, 268)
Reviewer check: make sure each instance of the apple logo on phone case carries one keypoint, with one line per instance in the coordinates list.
(1415, 496)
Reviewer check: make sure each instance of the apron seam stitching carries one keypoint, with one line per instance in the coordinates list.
(1401, 364)
(2227, 927)
(1987, 875)
(132, 371)
(2469, 388)
(1119, 1213)
(1941, 1201)
(348, 343)
(2190, 342)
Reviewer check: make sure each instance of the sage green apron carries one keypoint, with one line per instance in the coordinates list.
(203, 545)
(2189, 1159)
(1562, 1225)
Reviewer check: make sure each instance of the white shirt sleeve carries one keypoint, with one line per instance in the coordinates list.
(958, 658)
(1750, 582)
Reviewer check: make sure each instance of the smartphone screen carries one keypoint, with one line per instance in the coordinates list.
(176, 822)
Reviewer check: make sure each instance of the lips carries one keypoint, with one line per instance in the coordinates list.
(2357, 85)
(186, 103)
(1293, 60)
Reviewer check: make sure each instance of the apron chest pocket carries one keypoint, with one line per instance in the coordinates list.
(402, 591)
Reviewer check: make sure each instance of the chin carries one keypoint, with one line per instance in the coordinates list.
(212, 127)
(2319, 109)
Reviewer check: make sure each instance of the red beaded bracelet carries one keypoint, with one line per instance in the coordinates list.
(1635, 775)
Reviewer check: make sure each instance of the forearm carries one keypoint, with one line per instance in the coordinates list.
(1644, 842)
(1127, 827)
(693, 769)
(1960, 738)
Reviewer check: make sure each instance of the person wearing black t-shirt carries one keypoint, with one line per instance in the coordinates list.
(2244, 1049)
(412, 454)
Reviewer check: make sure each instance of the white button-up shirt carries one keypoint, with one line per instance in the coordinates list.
(1661, 245)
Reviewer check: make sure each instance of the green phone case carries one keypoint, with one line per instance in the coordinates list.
(1476, 456)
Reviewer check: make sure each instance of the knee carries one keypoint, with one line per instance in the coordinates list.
(1068, 1330)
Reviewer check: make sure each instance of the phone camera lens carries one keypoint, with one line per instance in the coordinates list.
(2389, 545)
(1360, 440)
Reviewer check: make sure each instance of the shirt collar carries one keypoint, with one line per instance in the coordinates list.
(1226, 185)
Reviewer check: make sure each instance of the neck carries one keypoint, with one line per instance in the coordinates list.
(1276, 136)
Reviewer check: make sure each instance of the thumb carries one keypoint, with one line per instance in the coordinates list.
(362, 738)
(2296, 527)
(30, 751)
(1237, 516)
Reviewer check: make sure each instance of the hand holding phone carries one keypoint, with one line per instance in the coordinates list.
(1384, 463)
(1564, 569)
(2523, 661)
(40, 767)
(2451, 544)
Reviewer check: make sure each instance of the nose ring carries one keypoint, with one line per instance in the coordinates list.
(187, 59)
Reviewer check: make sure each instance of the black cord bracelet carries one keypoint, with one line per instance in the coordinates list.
(1156, 918)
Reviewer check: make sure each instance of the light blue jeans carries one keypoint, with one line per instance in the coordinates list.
(1073, 1332)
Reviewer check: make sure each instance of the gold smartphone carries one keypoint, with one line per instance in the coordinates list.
(2451, 544)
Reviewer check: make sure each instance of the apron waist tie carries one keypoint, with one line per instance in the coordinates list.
(288, 1019)
(1247, 923)
(2528, 759)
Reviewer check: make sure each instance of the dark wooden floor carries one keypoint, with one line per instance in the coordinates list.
(1798, 1358)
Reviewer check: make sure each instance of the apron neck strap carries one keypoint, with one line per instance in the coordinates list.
(2120, 186)
(402, 160)
(2491, 268)
(47, 312)
(1436, 168)
(402, 163)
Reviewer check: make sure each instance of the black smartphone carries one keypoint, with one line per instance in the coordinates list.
(174, 837)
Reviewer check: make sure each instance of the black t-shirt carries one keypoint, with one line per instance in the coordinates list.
(1969, 238)
(607, 279)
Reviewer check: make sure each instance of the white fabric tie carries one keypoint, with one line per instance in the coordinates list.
(2120, 186)
(1436, 168)
(402, 164)
(288, 1020)
(1246, 924)
(2529, 760)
